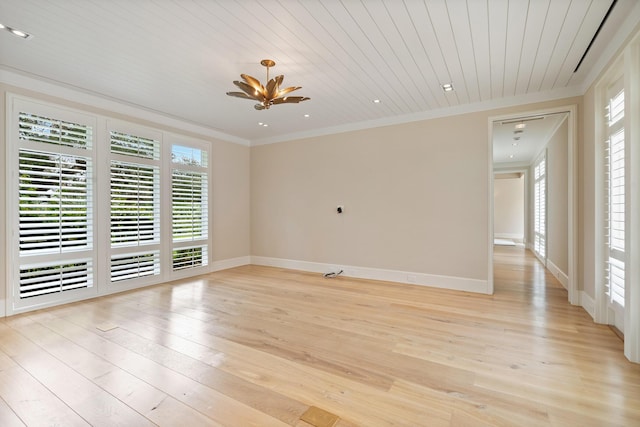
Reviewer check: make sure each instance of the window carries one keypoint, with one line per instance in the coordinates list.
(189, 203)
(55, 194)
(539, 203)
(615, 203)
(135, 206)
(87, 218)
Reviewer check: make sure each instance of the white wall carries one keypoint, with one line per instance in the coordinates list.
(558, 202)
(508, 208)
(415, 195)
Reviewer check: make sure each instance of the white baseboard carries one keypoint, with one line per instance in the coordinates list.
(513, 236)
(560, 275)
(413, 278)
(588, 304)
(230, 263)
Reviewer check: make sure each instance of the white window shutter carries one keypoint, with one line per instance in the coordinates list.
(615, 203)
(135, 207)
(55, 212)
(189, 207)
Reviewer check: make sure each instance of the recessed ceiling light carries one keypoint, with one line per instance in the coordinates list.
(521, 125)
(376, 101)
(511, 156)
(265, 125)
(447, 87)
(16, 32)
(306, 115)
(260, 123)
(515, 144)
(19, 33)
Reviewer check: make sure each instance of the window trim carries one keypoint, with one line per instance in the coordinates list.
(626, 66)
(542, 157)
(172, 139)
(115, 251)
(101, 202)
(15, 304)
(615, 258)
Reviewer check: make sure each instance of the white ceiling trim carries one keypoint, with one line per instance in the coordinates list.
(98, 101)
(495, 104)
(72, 94)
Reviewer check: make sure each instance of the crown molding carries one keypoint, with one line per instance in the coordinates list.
(513, 101)
(74, 94)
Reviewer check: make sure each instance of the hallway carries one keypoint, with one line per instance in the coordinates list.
(519, 273)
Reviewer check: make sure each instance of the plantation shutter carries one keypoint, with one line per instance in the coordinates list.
(189, 196)
(54, 202)
(55, 205)
(615, 197)
(134, 209)
(189, 257)
(190, 204)
(135, 206)
(149, 196)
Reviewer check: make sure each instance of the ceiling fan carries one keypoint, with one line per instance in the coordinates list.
(268, 95)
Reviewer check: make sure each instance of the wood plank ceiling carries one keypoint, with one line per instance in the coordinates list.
(179, 58)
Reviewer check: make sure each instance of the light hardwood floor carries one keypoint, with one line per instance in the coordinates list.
(256, 346)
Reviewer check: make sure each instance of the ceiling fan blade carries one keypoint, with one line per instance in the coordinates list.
(290, 100)
(252, 92)
(253, 82)
(287, 90)
(240, 95)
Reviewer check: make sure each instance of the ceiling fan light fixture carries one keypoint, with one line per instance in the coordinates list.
(266, 95)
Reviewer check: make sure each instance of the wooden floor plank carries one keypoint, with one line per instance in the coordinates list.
(155, 405)
(213, 404)
(30, 400)
(96, 406)
(258, 346)
(8, 418)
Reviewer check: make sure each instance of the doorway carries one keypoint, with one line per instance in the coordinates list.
(512, 149)
(509, 207)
